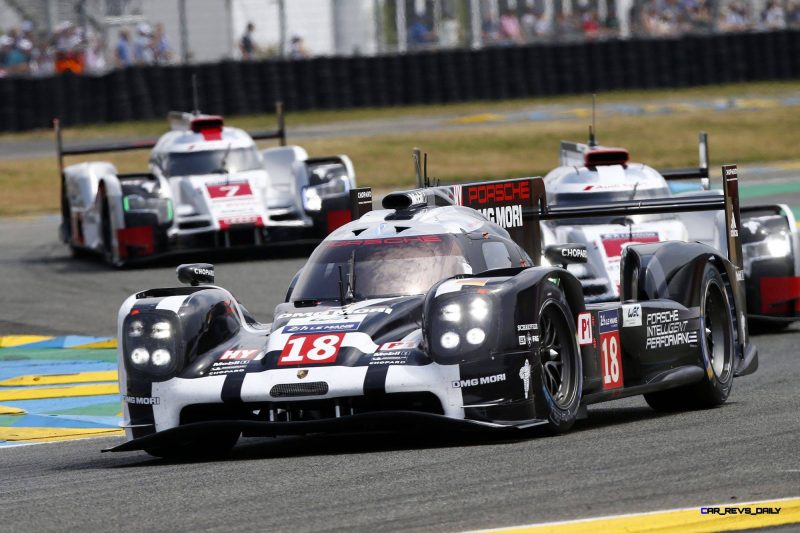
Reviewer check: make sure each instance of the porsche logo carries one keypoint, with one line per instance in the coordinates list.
(302, 373)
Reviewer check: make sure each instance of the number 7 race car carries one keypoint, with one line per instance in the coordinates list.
(207, 187)
(427, 313)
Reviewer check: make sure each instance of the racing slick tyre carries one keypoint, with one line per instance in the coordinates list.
(210, 446)
(560, 360)
(717, 346)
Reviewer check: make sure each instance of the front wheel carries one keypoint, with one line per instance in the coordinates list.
(717, 347)
(560, 359)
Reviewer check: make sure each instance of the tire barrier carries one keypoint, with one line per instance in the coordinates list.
(429, 77)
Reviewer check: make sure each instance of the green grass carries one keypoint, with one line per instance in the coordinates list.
(481, 151)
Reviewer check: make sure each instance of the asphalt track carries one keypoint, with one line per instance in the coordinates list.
(624, 458)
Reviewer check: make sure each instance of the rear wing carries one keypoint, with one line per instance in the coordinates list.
(520, 204)
(144, 144)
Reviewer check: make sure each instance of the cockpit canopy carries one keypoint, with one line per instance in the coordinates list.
(379, 268)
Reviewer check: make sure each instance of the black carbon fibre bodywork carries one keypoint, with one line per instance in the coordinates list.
(468, 352)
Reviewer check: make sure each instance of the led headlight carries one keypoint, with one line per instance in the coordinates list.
(778, 246)
(140, 356)
(449, 340)
(311, 199)
(476, 336)
(161, 357)
(313, 195)
(161, 330)
(478, 309)
(451, 313)
(135, 329)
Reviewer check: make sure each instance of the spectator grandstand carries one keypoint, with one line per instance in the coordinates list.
(44, 37)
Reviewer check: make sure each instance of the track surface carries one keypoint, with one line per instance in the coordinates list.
(624, 458)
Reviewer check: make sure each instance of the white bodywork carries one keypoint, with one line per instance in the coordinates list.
(605, 239)
(272, 190)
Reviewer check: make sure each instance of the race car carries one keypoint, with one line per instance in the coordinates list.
(590, 173)
(427, 314)
(208, 186)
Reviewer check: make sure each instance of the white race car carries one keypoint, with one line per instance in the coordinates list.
(590, 174)
(207, 186)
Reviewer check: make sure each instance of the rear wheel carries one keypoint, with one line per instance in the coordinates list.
(717, 347)
(210, 446)
(559, 357)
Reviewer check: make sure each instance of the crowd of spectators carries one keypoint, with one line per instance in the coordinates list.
(27, 50)
(68, 47)
(647, 18)
(661, 18)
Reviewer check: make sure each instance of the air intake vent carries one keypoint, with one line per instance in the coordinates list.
(286, 390)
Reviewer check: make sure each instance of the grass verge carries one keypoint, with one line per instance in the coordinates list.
(490, 151)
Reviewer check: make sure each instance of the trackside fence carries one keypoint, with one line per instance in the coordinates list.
(435, 77)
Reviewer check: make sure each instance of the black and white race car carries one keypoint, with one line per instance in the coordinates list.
(425, 312)
(207, 187)
(590, 173)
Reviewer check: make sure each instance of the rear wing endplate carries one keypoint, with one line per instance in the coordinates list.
(701, 172)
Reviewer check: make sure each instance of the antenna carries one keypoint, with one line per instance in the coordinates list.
(425, 171)
(593, 127)
(417, 168)
(195, 96)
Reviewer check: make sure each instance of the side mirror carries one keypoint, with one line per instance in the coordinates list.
(196, 273)
(566, 254)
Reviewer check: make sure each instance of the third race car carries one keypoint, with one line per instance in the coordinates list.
(590, 174)
(207, 186)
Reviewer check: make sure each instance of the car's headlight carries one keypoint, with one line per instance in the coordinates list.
(479, 309)
(476, 336)
(315, 194)
(140, 356)
(460, 326)
(161, 330)
(161, 357)
(451, 313)
(151, 344)
(450, 340)
(161, 206)
(311, 199)
(135, 329)
(778, 246)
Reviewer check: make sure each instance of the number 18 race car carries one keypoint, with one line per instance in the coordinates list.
(428, 313)
(207, 187)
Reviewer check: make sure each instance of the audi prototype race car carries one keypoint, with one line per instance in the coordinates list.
(208, 186)
(590, 174)
(427, 313)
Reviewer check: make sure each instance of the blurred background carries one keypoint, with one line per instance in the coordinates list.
(42, 37)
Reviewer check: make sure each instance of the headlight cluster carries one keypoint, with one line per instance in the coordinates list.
(150, 343)
(161, 206)
(315, 194)
(462, 324)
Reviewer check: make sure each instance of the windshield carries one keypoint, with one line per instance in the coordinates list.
(211, 162)
(397, 266)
